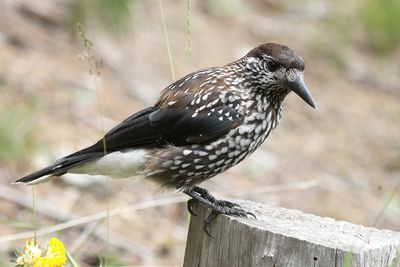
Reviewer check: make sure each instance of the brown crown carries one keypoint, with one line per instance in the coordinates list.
(282, 55)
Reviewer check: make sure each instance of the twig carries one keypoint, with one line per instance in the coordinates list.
(151, 204)
(93, 217)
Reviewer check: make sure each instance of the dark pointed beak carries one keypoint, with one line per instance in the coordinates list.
(295, 82)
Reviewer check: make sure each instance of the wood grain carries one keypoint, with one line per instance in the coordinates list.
(285, 237)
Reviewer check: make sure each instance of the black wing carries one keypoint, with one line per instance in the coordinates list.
(156, 127)
(189, 111)
(179, 127)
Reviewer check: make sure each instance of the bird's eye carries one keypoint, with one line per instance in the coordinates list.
(272, 65)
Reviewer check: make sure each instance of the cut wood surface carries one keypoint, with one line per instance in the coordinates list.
(286, 237)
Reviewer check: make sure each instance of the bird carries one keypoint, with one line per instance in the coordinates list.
(200, 126)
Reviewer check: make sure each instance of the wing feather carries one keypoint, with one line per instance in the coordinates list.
(182, 116)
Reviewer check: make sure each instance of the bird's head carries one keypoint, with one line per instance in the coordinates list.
(278, 70)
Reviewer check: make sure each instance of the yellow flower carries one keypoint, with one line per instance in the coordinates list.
(55, 255)
(28, 256)
(32, 255)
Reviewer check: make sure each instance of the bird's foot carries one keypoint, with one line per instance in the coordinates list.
(200, 195)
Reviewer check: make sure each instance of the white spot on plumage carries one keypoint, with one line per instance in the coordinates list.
(187, 152)
(166, 163)
(251, 60)
(201, 85)
(269, 116)
(203, 153)
(228, 161)
(249, 103)
(246, 128)
(220, 162)
(209, 147)
(212, 157)
(237, 139)
(170, 103)
(258, 129)
(245, 142)
(154, 172)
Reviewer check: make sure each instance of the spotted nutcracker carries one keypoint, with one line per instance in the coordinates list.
(202, 124)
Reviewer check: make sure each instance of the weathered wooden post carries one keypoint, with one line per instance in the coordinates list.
(284, 237)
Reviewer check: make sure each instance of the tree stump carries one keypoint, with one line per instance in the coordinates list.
(286, 237)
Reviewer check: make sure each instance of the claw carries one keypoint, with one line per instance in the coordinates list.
(207, 222)
(217, 207)
(191, 202)
(252, 215)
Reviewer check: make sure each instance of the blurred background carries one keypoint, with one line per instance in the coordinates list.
(341, 160)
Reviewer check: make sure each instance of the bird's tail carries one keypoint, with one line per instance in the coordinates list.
(58, 168)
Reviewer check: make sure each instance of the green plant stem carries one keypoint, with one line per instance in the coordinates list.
(171, 63)
(189, 28)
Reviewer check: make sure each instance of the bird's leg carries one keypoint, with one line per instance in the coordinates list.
(206, 195)
(217, 206)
